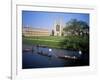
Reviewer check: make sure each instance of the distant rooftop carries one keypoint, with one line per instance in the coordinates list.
(35, 28)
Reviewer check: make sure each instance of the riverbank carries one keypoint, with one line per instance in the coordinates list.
(61, 42)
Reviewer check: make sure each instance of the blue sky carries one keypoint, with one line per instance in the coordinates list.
(46, 20)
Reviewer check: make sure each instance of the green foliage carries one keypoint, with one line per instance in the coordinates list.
(78, 39)
(52, 33)
(74, 26)
(76, 43)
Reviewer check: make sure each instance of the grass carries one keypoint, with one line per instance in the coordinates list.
(68, 42)
(55, 38)
(50, 41)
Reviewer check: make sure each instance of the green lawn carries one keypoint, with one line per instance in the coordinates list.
(68, 42)
(56, 38)
(50, 41)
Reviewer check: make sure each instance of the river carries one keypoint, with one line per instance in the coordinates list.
(32, 57)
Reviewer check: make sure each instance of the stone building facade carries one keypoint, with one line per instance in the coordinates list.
(29, 31)
(58, 28)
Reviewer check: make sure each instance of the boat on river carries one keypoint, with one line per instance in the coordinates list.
(68, 57)
(27, 50)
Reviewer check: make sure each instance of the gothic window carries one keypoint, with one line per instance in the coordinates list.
(57, 27)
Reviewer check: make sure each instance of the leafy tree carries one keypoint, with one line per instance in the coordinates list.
(76, 27)
(78, 39)
(52, 32)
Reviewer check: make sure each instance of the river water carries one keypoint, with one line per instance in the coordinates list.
(31, 58)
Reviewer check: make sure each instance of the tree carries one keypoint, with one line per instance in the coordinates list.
(78, 36)
(76, 27)
(52, 32)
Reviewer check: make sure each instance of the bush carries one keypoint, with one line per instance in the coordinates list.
(76, 43)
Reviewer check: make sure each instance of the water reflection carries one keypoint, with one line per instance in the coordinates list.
(36, 56)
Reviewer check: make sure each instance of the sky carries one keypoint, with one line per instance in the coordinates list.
(45, 20)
